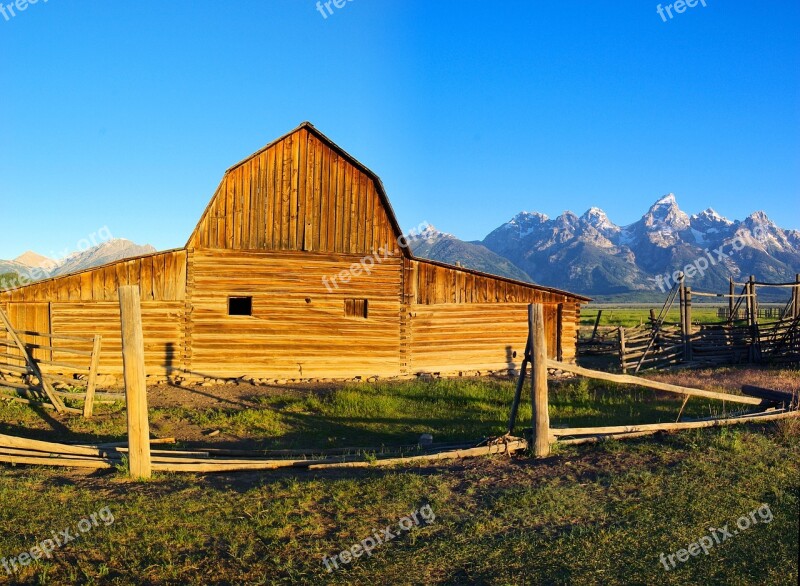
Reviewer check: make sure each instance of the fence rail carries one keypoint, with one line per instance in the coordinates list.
(51, 359)
(777, 342)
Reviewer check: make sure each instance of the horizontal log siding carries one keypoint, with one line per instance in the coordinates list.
(297, 194)
(452, 338)
(457, 320)
(288, 337)
(163, 334)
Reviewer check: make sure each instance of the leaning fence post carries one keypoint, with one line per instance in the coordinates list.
(135, 382)
(541, 417)
(91, 384)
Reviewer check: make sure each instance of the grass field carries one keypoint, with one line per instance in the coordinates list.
(634, 315)
(599, 514)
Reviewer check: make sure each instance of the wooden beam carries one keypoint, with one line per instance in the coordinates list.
(135, 381)
(48, 461)
(502, 448)
(604, 436)
(626, 379)
(571, 431)
(539, 403)
(9, 441)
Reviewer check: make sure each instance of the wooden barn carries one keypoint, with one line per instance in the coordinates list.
(297, 270)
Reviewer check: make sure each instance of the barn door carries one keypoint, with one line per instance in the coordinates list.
(30, 318)
(552, 320)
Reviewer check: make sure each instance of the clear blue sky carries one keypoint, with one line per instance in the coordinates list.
(126, 114)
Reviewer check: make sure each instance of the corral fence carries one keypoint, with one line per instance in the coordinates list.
(741, 338)
(31, 361)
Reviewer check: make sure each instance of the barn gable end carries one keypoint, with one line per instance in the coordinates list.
(300, 193)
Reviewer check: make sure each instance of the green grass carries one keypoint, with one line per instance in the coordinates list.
(374, 415)
(597, 514)
(627, 316)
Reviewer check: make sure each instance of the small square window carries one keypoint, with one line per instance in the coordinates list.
(240, 306)
(356, 308)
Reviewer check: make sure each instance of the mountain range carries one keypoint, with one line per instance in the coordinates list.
(589, 254)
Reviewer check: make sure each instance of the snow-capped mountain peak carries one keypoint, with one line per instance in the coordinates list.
(428, 232)
(710, 215)
(598, 219)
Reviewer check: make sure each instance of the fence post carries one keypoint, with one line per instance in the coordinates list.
(732, 293)
(682, 311)
(91, 383)
(688, 310)
(135, 382)
(796, 296)
(541, 417)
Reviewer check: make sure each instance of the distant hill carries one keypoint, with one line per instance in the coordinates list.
(436, 245)
(104, 253)
(35, 266)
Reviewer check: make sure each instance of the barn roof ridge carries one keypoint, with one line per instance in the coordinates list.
(341, 151)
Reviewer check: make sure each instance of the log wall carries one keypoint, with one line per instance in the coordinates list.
(86, 304)
(162, 323)
(299, 328)
(460, 320)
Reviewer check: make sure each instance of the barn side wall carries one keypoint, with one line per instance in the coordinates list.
(298, 328)
(86, 304)
(459, 321)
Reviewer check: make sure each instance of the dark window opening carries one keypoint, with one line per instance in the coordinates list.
(240, 306)
(356, 308)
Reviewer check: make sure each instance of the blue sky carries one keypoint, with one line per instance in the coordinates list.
(126, 114)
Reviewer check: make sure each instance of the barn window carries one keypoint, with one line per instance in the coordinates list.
(356, 308)
(240, 306)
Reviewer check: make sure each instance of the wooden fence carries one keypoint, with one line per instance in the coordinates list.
(710, 344)
(659, 344)
(45, 356)
(639, 345)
